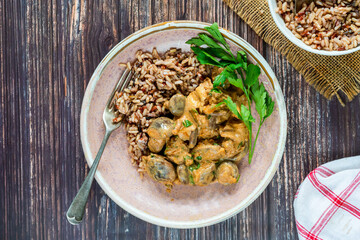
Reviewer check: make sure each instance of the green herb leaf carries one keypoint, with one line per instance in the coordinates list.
(252, 75)
(246, 116)
(219, 104)
(264, 103)
(187, 123)
(237, 179)
(219, 80)
(187, 157)
(215, 90)
(227, 73)
(196, 41)
(208, 40)
(237, 83)
(198, 158)
(269, 106)
(232, 107)
(241, 56)
(214, 31)
(220, 53)
(191, 179)
(205, 58)
(194, 167)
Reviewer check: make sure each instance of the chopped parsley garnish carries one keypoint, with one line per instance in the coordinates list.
(212, 49)
(191, 179)
(208, 116)
(187, 123)
(187, 157)
(198, 158)
(194, 167)
(216, 144)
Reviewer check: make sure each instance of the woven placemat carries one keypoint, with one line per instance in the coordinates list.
(330, 75)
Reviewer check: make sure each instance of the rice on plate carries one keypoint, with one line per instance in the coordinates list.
(158, 77)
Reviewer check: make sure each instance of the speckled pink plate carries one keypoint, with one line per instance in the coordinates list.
(185, 206)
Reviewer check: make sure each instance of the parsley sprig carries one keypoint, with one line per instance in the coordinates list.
(212, 49)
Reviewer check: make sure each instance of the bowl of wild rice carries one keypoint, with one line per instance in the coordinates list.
(326, 27)
(168, 67)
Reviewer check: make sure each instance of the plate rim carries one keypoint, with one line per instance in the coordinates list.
(270, 172)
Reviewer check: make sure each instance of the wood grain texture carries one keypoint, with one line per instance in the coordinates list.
(48, 51)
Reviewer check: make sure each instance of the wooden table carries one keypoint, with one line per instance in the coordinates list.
(49, 50)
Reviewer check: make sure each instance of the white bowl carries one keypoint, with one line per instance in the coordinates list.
(289, 35)
(185, 206)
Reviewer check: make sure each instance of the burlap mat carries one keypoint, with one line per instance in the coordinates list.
(339, 75)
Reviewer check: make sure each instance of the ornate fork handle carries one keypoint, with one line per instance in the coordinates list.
(76, 210)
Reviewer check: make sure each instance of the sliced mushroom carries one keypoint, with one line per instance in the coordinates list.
(161, 128)
(193, 138)
(227, 173)
(159, 132)
(156, 145)
(241, 155)
(177, 104)
(183, 174)
(159, 168)
(204, 175)
(220, 116)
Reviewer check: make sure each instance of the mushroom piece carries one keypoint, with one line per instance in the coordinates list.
(193, 138)
(159, 132)
(177, 104)
(204, 175)
(183, 174)
(155, 145)
(227, 173)
(161, 128)
(239, 156)
(159, 168)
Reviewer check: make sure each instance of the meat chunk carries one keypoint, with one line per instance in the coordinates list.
(177, 151)
(208, 150)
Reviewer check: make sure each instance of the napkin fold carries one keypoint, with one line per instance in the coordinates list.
(327, 203)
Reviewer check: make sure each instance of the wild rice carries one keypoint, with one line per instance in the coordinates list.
(324, 24)
(158, 78)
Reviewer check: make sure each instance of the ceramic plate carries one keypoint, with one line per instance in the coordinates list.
(185, 206)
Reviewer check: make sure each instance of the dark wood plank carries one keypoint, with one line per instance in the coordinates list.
(48, 51)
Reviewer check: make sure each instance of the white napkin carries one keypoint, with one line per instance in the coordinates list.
(327, 203)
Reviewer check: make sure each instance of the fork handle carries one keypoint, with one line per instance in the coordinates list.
(76, 210)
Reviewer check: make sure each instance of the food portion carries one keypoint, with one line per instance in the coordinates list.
(202, 137)
(324, 24)
(187, 115)
(158, 77)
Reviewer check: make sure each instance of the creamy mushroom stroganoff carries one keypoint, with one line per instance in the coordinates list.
(188, 115)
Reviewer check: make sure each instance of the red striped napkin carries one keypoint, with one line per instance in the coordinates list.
(327, 203)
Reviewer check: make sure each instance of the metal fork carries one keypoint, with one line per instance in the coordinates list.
(76, 210)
